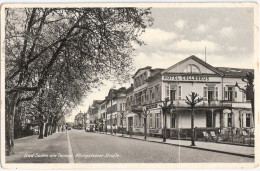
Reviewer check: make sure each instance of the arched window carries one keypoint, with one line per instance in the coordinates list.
(191, 68)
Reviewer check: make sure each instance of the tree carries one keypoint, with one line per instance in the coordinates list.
(249, 89)
(145, 113)
(166, 109)
(85, 46)
(192, 101)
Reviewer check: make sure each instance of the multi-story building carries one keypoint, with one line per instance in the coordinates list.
(79, 121)
(93, 115)
(223, 105)
(86, 120)
(115, 109)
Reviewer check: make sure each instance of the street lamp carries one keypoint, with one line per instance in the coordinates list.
(122, 122)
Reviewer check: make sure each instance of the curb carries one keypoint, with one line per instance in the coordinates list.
(192, 147)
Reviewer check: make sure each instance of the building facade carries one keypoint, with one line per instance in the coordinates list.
(79, 121)
(223, 105)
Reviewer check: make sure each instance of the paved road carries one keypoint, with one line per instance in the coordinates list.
(99, 148)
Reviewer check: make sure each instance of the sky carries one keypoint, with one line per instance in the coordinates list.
(177, 33)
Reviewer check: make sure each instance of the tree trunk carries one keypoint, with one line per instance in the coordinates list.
(145, 129)
(54, 128)
(164, 137)
(50, 129)
(192, 128)
(46, 130)
(42, 129)
(10, 113)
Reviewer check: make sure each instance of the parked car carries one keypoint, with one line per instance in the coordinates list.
(69, 128)
(91, 128)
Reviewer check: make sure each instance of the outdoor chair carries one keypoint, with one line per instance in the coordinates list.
(213, 135)
(206, 135)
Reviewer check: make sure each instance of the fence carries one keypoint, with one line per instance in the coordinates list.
(226, 135)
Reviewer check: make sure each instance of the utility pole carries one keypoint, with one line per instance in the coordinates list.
(205, 54)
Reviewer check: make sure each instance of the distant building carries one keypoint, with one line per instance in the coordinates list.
(115, 104)
(79, 121)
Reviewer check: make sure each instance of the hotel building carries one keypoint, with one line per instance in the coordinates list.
(223, 105)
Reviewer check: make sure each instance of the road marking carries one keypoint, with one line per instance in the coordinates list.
(71, 156)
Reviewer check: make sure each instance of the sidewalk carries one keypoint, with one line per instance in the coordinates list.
(237, 150)
(33, 150)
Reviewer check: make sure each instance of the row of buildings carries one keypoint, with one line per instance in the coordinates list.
(223, 105)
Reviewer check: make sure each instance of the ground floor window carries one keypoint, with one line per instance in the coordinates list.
(229, 120)
(151, 121)
(209, 119)
(248, 120)
(173, 121)
(157, 120)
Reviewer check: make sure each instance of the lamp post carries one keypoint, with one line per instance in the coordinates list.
(122, 121)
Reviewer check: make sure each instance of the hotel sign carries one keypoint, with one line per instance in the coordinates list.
(184, 78)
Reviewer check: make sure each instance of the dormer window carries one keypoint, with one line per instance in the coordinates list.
(191, 68)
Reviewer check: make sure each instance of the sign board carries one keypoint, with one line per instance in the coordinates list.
(151, 106)
(185, 78)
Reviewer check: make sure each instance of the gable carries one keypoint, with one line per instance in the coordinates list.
(192, 65)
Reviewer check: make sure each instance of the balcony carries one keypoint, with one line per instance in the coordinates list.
(202, 104)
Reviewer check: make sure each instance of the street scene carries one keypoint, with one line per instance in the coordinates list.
(161, 84)
(90, 148)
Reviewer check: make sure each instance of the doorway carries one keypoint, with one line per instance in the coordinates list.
(209, 119)
(130, 124)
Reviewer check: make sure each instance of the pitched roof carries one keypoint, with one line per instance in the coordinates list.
(234, 71)
(147, 67)
(197, 60)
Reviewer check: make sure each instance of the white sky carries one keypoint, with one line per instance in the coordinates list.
(178, 33)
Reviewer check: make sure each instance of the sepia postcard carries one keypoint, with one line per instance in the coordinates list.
(129, 86)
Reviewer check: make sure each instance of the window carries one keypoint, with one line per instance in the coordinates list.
(151, 94)
(210, 93)
(157, 120)
(167, 91)
(173, 121)
(151, 121)
(248, 119)
(229, 121)
(247, 98)
(135, 121)
(172, 94)
(216, 93)
(192, 69)
(205, 93)
(179, 90)
(230, 93)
